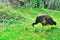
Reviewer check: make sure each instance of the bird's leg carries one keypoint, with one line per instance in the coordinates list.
(42, 29)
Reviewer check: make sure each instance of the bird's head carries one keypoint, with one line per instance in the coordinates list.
(54, 23)
(33, 24)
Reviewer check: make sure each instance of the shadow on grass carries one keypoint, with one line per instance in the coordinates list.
(53, 29)
(48, 30)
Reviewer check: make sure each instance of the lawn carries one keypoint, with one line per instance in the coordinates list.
(16, 24)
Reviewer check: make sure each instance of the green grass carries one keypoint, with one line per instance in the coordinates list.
(14, 21)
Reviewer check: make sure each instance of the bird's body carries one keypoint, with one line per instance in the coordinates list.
(44, 19)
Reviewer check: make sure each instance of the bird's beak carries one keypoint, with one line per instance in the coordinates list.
(32, 25)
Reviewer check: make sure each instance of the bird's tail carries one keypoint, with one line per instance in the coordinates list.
(52, 22)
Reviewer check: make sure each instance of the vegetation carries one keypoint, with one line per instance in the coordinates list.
(14, 21)
(47, 4)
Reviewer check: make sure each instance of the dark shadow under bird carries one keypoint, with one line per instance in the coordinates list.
(44, 19)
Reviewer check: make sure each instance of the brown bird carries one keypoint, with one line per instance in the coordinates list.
(44, 19)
